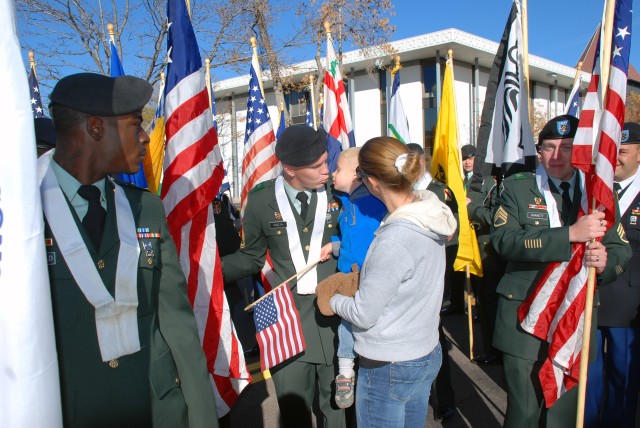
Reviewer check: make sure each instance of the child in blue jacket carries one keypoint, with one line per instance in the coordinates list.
(359, 218)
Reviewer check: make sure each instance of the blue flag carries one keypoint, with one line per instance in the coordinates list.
(308, 116)
(137, 179)
(34, 94)
(573, 103)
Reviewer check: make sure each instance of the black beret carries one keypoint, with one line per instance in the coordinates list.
(301, 145)
(559, 127)
(468, 151)
(99, 95)
(630, 133)
(45, 133)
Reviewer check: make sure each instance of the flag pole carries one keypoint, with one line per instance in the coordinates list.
(578, 72)
(207, 71)
(111, 34)
(469, 310)
(313, 103)
(320, 105)
(524, 14)
(295, 275)
(254, 47)
(32, 64)
(605, 58)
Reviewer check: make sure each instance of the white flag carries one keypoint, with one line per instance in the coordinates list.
(29, 384)
(398, 125)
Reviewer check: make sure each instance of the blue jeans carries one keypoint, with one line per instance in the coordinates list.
(345, 340)
(396, 394)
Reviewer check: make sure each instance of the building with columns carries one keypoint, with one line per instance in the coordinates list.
(423, 60)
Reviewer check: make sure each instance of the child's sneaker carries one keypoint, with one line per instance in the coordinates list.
(344, 391)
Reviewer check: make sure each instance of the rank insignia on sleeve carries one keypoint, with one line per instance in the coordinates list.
(621, 234)
(619, 269)
(500, 218)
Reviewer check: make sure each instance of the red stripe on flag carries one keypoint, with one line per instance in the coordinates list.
(186, 112)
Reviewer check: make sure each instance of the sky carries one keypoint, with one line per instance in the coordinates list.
(558, 29)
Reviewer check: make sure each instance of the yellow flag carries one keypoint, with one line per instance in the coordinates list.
(446, 167)
(154, 158)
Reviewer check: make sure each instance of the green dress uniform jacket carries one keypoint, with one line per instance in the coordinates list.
(480, 211)
(522, 236)
(263, 228)
(166, 383)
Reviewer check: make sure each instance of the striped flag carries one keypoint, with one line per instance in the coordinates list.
(555, 310)
(29, 382)
(153, 158)
(278, 328)
(138, 178)
(260, 162)
(505, 140)
(336, 117)
(398, 126)
(192, 177)
(573, 102)
(34, 91)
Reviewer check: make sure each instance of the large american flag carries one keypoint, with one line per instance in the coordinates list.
(555, 311)
(278, 328)
(260, 162)
(192, 177)
(34, 92)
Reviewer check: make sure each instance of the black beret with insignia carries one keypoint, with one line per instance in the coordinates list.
(468, 151)
(99, 95)
(559, 127)
(630, 133)
(45, 133)
(301, 145)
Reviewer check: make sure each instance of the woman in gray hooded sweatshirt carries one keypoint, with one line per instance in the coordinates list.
(396, 310)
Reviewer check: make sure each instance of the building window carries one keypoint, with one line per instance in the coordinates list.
(297, 106)
(383, 101)
(429, 101)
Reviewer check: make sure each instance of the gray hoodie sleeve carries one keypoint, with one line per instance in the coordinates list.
(387, 265)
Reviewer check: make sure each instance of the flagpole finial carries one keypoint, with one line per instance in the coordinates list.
(579, 66)
(110, 29)
(281, 107)
(32, 61)
(327, 27)
(450, 53)
(311, 79)
(162, 77)
(396, 67)
(207, 63)
(253, 42)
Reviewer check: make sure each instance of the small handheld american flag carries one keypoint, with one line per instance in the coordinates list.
(278, 328)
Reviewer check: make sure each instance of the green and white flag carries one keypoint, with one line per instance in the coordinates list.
(398, 126)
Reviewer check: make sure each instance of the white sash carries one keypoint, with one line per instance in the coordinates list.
(542, 181)
(630, 194)
(116, 321)
(306, 283)
(424, 182)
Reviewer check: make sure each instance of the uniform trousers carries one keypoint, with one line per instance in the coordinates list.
(526, 407)
(614, 377)
(295, 382)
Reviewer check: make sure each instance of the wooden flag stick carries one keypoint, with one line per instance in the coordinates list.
(469, 311)
(207, 78)
(524, 15)
(578, 71)
(605, 56)
(32, 64)
(313, 103)
(295, 275)
(254, 48)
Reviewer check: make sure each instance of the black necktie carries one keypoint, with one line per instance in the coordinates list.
(566, 201)
(617, 188)
(304, 205)
(93, 222)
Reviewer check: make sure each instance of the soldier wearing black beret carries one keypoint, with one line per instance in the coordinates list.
(292, 217)
(535, 223)
(45, 135)
(618, 335)
(128, 348)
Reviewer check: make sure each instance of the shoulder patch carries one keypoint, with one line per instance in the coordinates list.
(500, 217)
